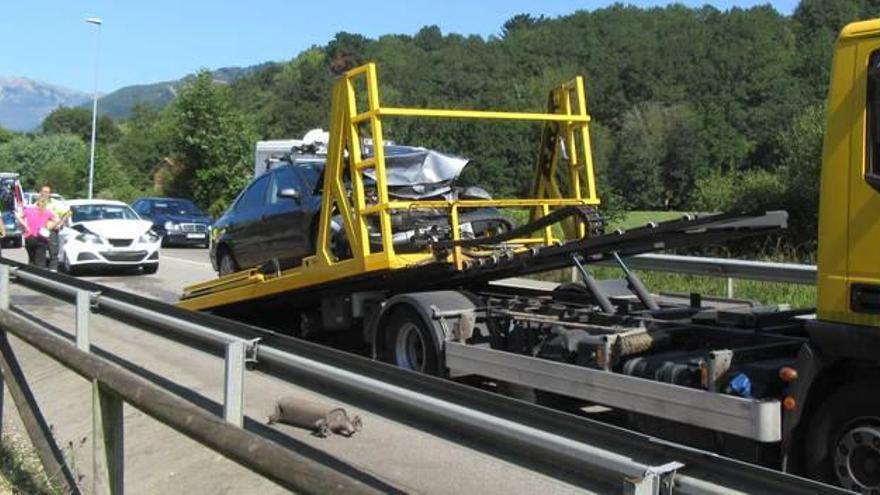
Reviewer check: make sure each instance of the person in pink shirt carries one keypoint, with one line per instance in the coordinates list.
(37, 222)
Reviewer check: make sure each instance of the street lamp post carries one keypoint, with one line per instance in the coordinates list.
(97, 22)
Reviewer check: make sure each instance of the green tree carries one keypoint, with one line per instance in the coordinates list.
(145, 142)
(6, 135)
(78, 121)
(800, 162)
(299, 98)
(659, 156)
(346, 51)
(30, 156)
(817, 23)
(212, 141)
(520, 21)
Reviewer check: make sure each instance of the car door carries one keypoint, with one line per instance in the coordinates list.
(285, 220)
(246, 233)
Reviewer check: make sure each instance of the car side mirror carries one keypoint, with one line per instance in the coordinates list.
(289, 193)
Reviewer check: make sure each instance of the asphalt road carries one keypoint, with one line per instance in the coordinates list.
(387, 452)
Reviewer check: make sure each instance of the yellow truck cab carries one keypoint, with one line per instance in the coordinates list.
(849, 230)
(837, 422)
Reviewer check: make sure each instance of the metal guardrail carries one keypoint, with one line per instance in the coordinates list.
(730, 269)
(113, 385)
(792, 273)
(528, 434)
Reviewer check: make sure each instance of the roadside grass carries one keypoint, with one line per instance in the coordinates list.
(21, 471)
(797, 296)
(794, 295)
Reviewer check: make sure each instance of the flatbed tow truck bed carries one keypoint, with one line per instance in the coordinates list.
(253, 288)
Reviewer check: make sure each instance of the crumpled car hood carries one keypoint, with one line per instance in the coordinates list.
(115, 228)
(415, 172)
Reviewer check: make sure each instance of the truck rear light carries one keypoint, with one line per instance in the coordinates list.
(789, 403)
(788, 374)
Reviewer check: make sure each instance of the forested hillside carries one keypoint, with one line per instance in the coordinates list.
(692, 108)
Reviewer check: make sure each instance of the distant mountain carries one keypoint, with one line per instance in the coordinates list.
(119, 103)
(25, 102)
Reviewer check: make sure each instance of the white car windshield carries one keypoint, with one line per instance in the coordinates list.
(90, 213)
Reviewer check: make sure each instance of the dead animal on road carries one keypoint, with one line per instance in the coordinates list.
(322, 419)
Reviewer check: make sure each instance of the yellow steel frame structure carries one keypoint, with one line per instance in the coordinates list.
(565, 134)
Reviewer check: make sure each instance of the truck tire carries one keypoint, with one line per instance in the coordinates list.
(409, 343)
(848, 424)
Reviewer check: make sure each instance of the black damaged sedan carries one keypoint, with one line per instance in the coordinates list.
(274, 220)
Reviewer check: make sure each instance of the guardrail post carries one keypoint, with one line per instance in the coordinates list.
(107, 441)
(4, 286)
(4, 305)
(657, 480)
(38, 430)
(83, 310)
(233, 390)
(730, 287)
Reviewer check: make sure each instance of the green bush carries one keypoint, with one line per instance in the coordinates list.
(740, 192)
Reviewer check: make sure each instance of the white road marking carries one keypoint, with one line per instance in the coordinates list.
(183, 260)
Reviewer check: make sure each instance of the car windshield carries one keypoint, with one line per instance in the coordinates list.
(176, 207)
(89, 213)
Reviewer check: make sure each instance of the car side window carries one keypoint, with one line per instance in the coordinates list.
(310, 176)
(282, 178)
(255, 195)
(872, 155)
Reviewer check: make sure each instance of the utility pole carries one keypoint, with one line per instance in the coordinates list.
(97, 22)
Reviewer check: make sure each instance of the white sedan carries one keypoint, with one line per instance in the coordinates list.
(104, 233)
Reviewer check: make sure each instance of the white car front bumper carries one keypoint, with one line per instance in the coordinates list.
(77, 253)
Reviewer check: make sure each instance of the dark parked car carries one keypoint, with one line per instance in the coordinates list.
(275, 218)
(11, 201)
(178, 221)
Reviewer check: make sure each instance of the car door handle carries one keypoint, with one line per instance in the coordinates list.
(865, 298)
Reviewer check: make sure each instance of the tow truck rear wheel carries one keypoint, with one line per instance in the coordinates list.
(409, 343)
(850, 419)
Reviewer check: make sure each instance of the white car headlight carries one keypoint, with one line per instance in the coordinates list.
(89, 238)
(150, 237)
(171, 226)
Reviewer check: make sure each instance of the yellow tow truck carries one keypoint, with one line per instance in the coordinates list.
(797, 390)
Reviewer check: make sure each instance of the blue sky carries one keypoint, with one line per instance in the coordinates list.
(157, 40)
